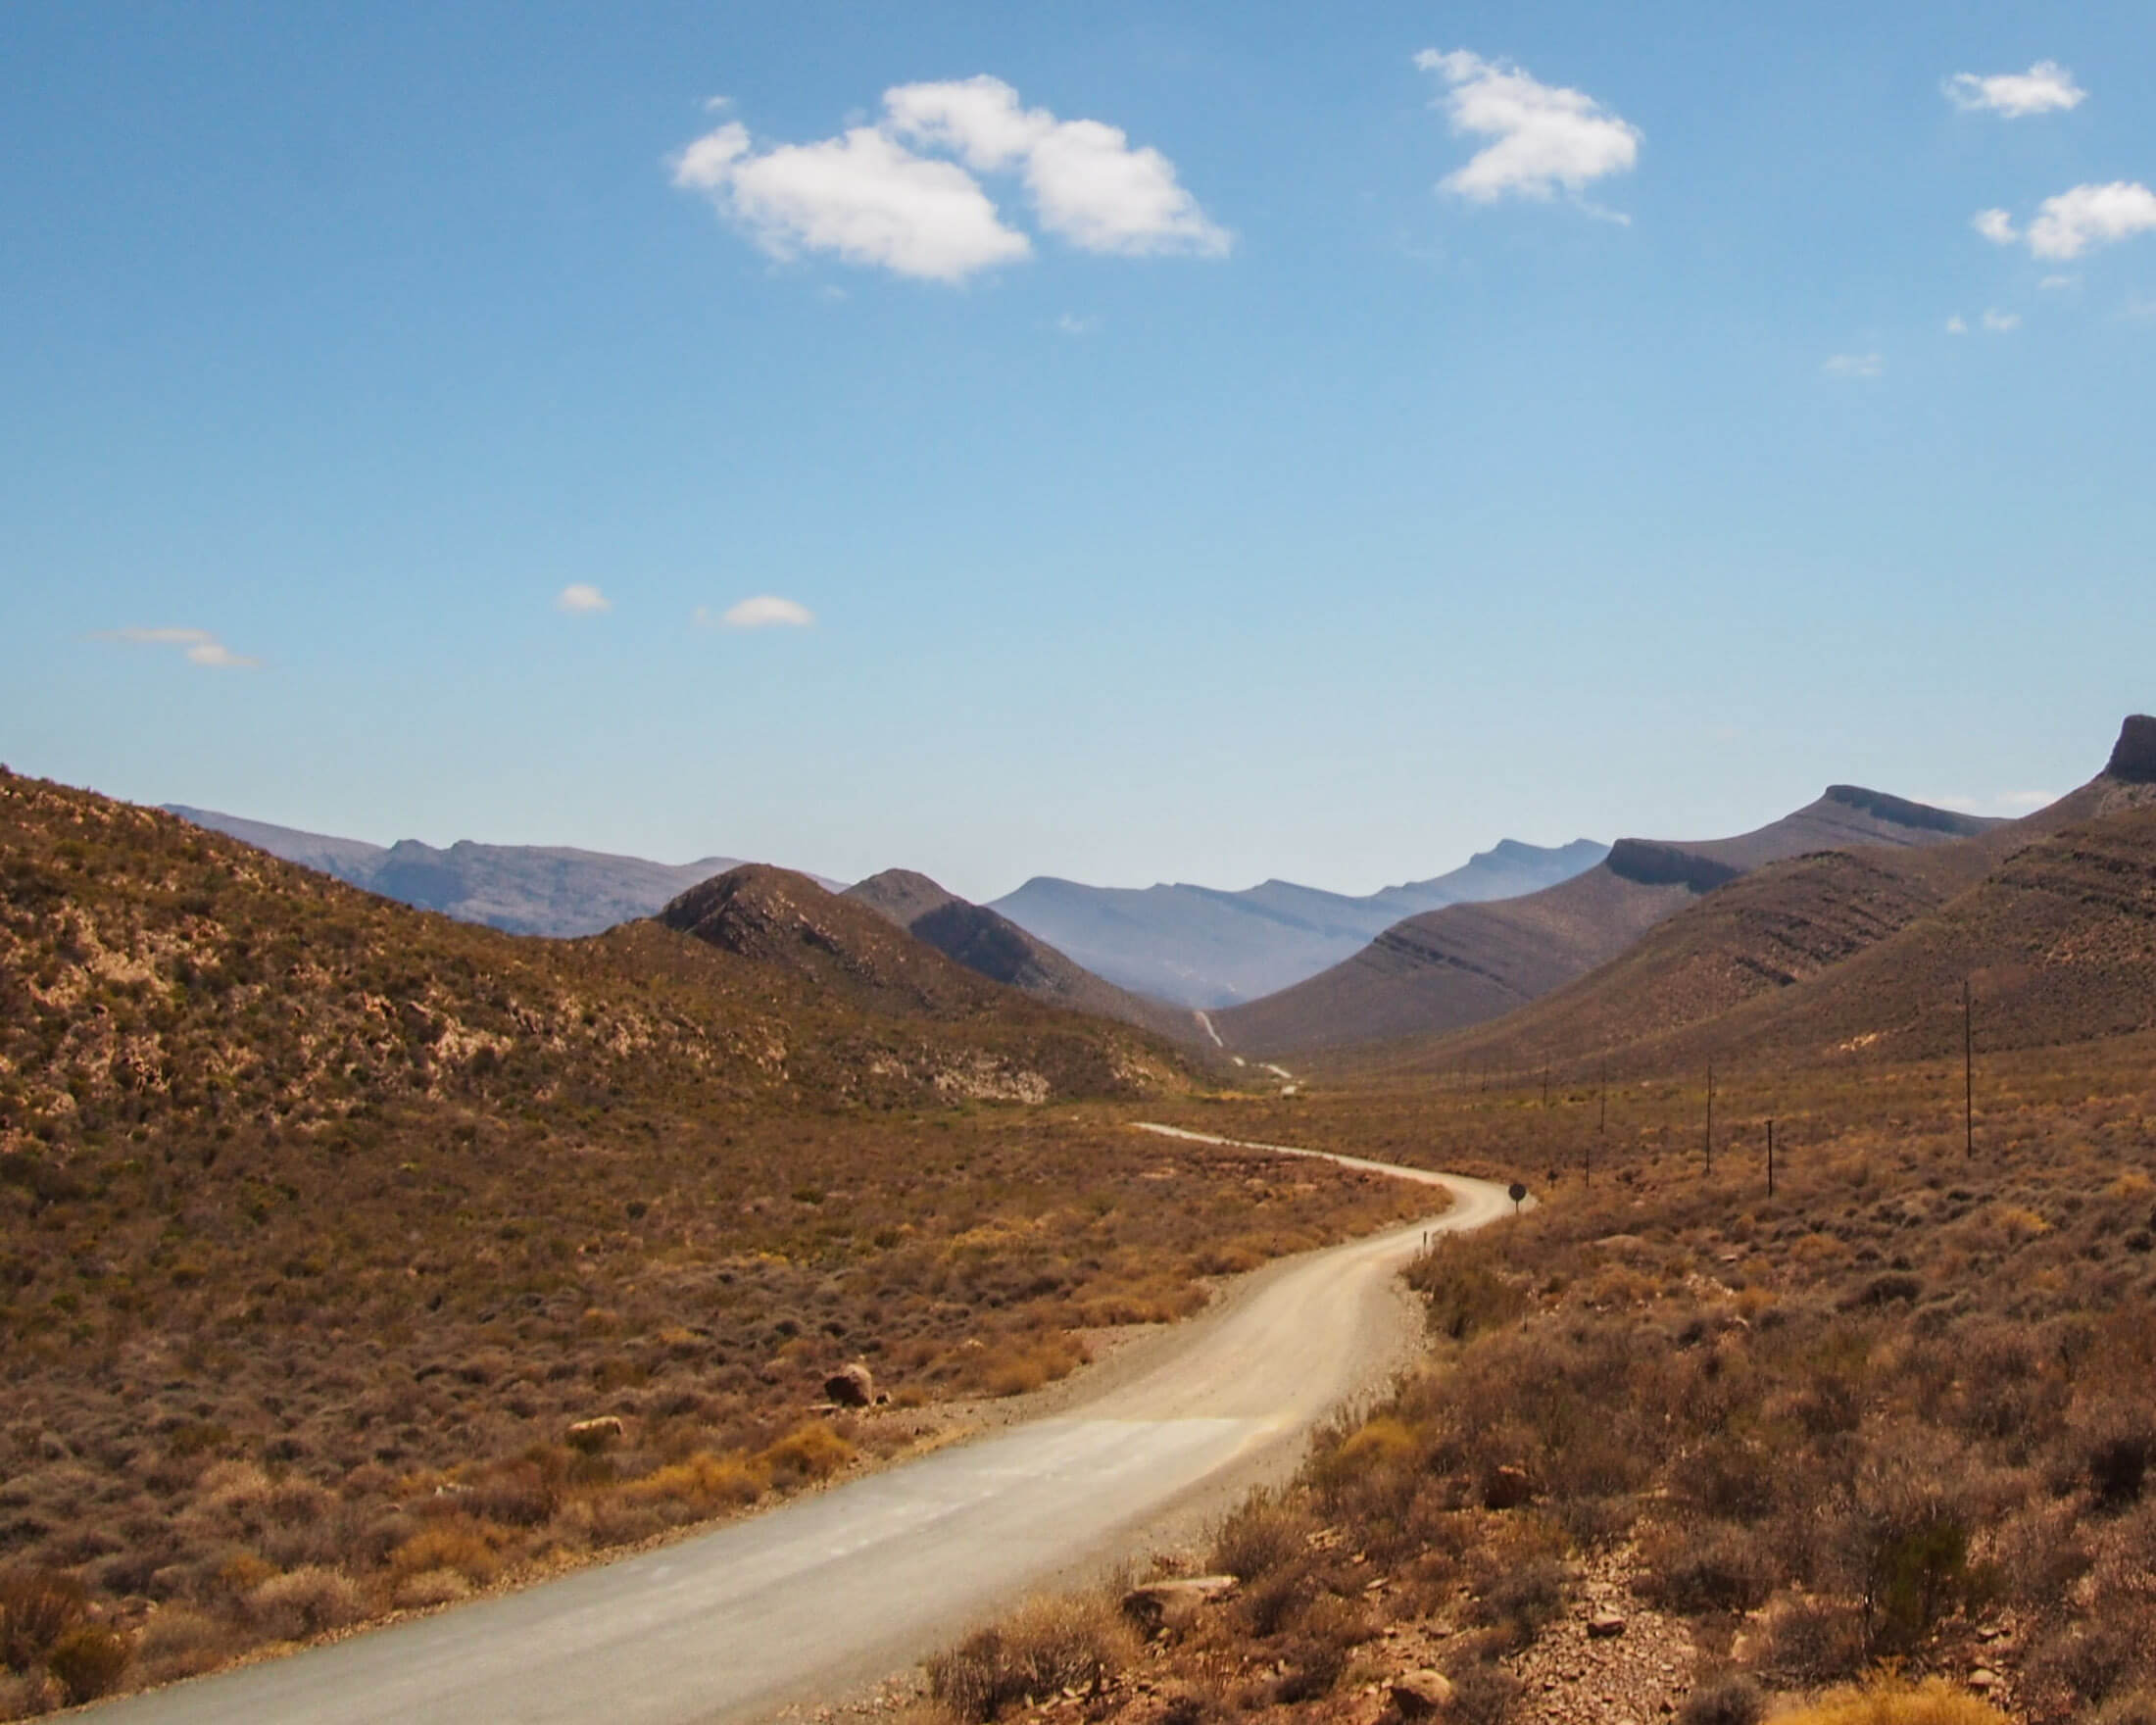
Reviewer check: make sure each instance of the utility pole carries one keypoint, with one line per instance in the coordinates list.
(1545, 1084)
(1601, 1122)
(1968, 1075)
(1710, 1116)
(1770, 1155)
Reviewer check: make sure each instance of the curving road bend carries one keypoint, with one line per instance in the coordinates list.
(841, 1589)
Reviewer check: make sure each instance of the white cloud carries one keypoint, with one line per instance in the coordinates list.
(1086, 182)
(2046, 87)
(199, 645)
(1070, 324)
(862, 195)
(2000, 323)
(1856, 365)
(871, 195)
(2068, 224)
(1957, 325)
(1547, 137)
(582, 599)
(2074, 221)
(766, 611)
(2055, 282)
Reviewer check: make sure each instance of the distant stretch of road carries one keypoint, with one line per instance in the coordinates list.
(837, 1590)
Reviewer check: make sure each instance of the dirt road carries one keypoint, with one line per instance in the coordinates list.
(837, 1590)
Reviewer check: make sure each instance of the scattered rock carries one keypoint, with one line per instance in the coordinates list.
(594, 1435)
(851, 1386)
(1420, 1694)
(1176, 1600)
(1985, 1678)
(1605, 1626)
(1508, 1489)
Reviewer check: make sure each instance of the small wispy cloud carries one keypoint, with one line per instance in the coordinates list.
(1544, 138)
(199, 645)
(1070, 324)
(2046, 87)
(1996, 226)
(766, 611)
(2054, 284)
(1856, 365)
(1957, 325)
(2000, 323)
(581, 598)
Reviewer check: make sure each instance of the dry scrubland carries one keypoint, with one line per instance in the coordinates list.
(321, 1221)
(1897, 1417)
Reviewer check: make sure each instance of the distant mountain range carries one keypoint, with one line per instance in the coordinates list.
(997, 948)
(1202, 946)
(1466, 964)
(521, 889)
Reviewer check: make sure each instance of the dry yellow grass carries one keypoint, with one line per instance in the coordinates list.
(1890, 1702)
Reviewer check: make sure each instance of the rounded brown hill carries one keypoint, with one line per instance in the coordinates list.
(776, 917)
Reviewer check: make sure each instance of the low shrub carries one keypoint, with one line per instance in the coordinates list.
(37, 1607)
(1891, 1702)
(1482, 1695)
(176, 1643)
(448, 1545)
(1816, 1641)
(88, 1661)
(810, 1451)
(1044, 1646)
(1709, 1566)
(1258, 1537)
(305, 1602)
(430, 1588)
(1729, 1699)
(703, 1484)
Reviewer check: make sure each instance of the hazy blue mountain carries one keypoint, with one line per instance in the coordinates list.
(1203, 947)
(999, 948)
(525, 889)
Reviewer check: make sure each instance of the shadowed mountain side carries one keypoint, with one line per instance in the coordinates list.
(1709, 977)
(1202, 947)
(976, 937)
(521, 889)
(2058, 943)
(1781, 924)
(1467, 964)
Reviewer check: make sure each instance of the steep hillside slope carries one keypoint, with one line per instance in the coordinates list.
(522, 889)
(2058, 944)
(147, 965)
(1202, 946)
(1468, 963)
(995, 947)
(1762, 931)
(2049, 884)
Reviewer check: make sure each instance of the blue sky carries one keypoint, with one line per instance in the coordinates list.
(1342, 462)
